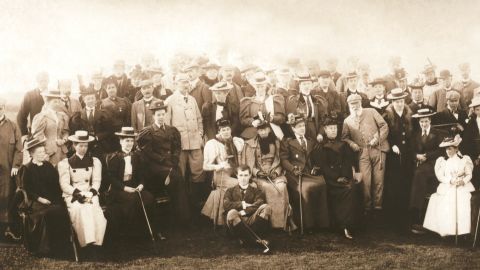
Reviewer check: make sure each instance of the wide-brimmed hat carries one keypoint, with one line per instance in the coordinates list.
(52, 94)
(293, 120)
(451, 141)
(221, 86)
(33, 142)
(81, 136)
(397, 93)
(425, 112)
(475, 102)
(157, 105)
(126, 132)
(354, 98)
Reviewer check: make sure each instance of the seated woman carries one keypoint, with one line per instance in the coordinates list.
(80, 178)
(221, 156)
(125, 174)
(48, 227)
(451, 203)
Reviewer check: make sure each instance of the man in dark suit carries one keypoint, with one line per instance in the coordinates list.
(296, 158)
(125, 175)
(32, 104)
(452, 119)
(246, 209)
(426, 150)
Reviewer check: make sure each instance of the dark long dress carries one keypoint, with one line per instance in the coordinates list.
(335, 162)
(48, 226)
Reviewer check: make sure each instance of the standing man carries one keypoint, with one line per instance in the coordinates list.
(32, 104)
(141, 115)
(10, 162)
(366, 132)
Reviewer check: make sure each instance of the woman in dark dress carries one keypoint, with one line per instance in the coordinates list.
(48, 225)
(336, 164)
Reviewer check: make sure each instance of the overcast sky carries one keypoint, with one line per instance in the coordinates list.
(69, 37)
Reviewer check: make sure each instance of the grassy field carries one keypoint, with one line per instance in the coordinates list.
(203, 249)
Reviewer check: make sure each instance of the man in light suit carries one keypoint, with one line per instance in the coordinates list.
(141, 115)
(366, 132)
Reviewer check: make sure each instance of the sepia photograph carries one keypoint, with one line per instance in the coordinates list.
(239, 134)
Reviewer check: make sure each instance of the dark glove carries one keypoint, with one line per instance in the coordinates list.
(262, 174)
(94, 191)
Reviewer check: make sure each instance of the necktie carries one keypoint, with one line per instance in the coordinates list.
(303, 143)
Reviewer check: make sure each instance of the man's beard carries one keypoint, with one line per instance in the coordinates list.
(265, 143)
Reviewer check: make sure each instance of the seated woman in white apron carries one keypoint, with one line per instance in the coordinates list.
(80, 177)
(451, 203)
(221, 155)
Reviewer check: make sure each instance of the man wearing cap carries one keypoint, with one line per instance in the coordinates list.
(431, 83)
(52, 124)
(10, 162)
(452, 119)
(220, 108)
(80, 179)
(70, 105)
(425, 150)
(471, 140)
(468, 85)
(32, 104)
(124, 86)
(378, 102)
(263, 106)
(296, 156)
(96, 86)
(399, 163)
(261, 154)
(125, 173)
(160, 145)
(118, 108)
(184, 114)
(328, 93)
(141, 115)
(438, 99)
(198, 89)
(211, 74)
(313, 108)
(366, 132)
(351, 82)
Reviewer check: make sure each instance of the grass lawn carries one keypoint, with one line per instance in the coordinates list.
(203, 249)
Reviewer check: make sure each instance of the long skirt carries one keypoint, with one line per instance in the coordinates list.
(314, 200)
(213, 207)
(88, 221)
(343, 202)
(277, 199)
(441, 214)
(47, 229)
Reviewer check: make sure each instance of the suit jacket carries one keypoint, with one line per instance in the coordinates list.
(73, 106)
(139, 114)
(115, 168)
(292, 154)
(430, 146)
(370, 125)
(234, 196)
(31, 105)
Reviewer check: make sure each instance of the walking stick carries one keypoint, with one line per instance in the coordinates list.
(456, 215)
(476, 228)
(273, 184)
(301, 204)
(260, 240)
(146, 216)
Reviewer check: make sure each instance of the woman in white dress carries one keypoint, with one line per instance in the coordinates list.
(221, 155)
(80, 178)
(451, 202)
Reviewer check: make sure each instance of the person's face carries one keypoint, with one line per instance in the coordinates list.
(243, 177)
(220, 96)
(118, 70)
(324, 82)
(352, 83)
(211, 73)
(182, 86)
(42, 81)
(453, 103)
(476, 110)
(355, 106)
(451, 151)
(399, 104)
(260, 89)
(227, 74)
(446, 82)
(81, 148)
(305, 87)
(111, 89)
(331, 131)
(417, 95)
(225, 132)
(465, 73)
(379, 90)
(263, 132)
(159, 116)
(127, 144)
(300, 129)
(38, 154)
(430, 76)
(55, 104)
(425, 122)
(90, 101)
(147, 91)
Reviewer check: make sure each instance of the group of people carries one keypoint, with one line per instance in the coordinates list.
(296, 147)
